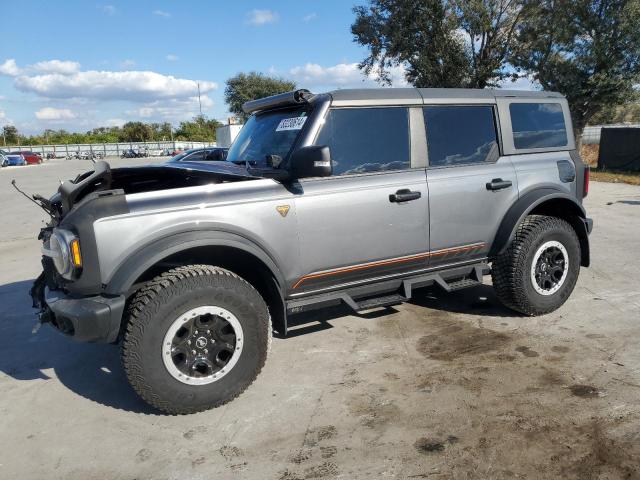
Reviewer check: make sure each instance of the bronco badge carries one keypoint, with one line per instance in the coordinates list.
(283, 210)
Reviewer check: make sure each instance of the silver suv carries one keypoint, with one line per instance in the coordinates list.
(353, 196)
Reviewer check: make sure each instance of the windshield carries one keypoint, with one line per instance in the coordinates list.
(269, 133)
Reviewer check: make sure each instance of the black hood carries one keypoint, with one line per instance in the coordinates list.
(147, 178)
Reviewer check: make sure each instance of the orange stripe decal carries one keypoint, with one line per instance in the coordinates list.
(391, 261)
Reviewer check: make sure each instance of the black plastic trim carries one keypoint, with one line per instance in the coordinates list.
(524, 205)
(148, 255)
(93, 319)
(80, 221)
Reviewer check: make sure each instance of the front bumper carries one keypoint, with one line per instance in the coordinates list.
(89, 319)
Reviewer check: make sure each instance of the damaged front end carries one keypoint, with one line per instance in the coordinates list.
(69, 293)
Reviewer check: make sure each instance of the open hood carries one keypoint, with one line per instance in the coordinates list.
(147, 178)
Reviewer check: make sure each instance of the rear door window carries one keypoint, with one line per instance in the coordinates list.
(460, 135)
(194, 157)
(538, 125)
(364, 140)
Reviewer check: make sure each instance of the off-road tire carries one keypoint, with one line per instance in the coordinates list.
(511, 271)
(153, 309)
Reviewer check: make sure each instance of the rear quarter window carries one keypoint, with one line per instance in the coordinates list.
(537, 125)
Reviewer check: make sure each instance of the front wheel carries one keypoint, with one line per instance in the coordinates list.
(196, 337)
(539, 270)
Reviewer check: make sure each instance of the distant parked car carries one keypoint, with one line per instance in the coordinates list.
(15, 160)
(157, 152)
(3, 159)
(30, 157)
(208, 154)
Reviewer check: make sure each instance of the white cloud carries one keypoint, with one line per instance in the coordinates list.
(135, 86)
(2, 115)
(63, 67)
(309, 17)
(161, 13)
(115, 122)
(10, 68)
(128, 63)
(172, 58)
(261, 17)
(342, 75)
(49, 113)
(109, 9)
(172, 110)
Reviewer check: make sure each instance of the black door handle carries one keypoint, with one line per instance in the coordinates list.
(498, 184)
(404, 195)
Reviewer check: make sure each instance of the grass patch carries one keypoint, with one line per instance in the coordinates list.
(632, 178)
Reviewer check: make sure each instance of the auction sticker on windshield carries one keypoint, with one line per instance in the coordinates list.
(294, 123)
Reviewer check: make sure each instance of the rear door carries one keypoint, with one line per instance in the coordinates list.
(471, 186)
(369, 221)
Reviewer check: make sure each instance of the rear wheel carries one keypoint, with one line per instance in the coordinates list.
(539, 270)
(196, 338)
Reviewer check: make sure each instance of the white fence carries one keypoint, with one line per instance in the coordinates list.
(106, 149)
(591, 134)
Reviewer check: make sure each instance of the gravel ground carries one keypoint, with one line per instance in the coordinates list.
(448, 386)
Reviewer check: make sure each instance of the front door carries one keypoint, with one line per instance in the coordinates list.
(471, 186)
(368, 221)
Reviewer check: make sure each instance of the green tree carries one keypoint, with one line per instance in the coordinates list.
(440, 43)
(250, 86)
(10, 134)
(589, 50)
(200, 129)
(627, 113)
(135, 132)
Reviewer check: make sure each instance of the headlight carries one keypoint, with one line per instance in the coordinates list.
(64, 251)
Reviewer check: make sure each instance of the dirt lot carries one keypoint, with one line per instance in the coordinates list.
(449, 386)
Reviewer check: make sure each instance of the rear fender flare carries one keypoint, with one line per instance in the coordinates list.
(524, 206)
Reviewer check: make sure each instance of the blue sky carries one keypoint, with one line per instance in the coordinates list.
(81, 64)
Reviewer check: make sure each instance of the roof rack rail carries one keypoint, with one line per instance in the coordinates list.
(295, 97)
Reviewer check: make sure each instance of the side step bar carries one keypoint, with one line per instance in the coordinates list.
(391, 293)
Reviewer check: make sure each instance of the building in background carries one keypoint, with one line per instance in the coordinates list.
(226, 134)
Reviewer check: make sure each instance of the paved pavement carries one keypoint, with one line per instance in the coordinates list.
(448, 386)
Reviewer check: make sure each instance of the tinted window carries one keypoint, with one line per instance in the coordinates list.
(365, 140)
(193, 157)
(269, 133)
(538, 125)
(458, 135)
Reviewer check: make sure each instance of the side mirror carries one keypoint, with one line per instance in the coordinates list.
(311, 161)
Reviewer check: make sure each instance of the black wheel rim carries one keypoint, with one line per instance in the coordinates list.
(202, 345)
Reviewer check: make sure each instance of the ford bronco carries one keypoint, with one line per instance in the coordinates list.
(353, 196)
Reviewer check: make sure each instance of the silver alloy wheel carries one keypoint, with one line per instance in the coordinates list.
(549, 268)
(202, 345)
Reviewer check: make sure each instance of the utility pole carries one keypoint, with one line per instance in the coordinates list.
(199, 101)
(4, 137)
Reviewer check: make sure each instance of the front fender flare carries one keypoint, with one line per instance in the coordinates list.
(152, 253)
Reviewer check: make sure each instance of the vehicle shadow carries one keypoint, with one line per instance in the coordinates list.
(93, 371)
(478, 300)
